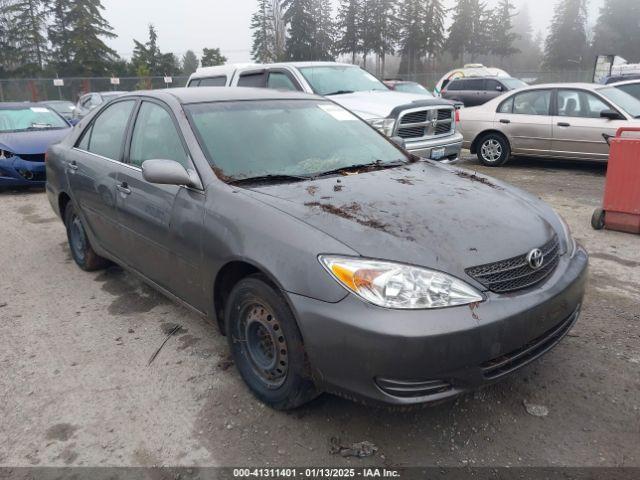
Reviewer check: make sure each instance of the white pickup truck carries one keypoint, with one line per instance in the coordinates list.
(426, 124)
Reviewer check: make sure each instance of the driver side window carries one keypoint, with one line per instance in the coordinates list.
(155, 137)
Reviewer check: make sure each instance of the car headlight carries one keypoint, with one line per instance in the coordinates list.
(384, 125)
(394, 285)
(569, 240)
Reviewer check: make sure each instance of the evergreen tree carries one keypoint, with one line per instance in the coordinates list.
(148, 53)
(29, 19)
(566, 44)
(90, 55)
(412, 35)
(310, 29)
(60, 36)
(190, 62)
(383, 30)
(530, 55)
(502, 35)
(617, 30)
(468, 32)
(262, 24)
(435, 15)
(348, 28)
(212, 57)
(8, 52)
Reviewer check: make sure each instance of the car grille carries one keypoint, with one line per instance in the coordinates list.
(518, 358)
(516, 273)
(425, 123)
(37, 157)
(407, 388)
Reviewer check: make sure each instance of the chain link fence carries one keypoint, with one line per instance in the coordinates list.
(39, 89)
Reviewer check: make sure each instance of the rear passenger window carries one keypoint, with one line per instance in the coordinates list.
(252, 80)
(155, 137)
(473, 84)
(534, 102)
(108, 130)
(280, 81)
(213, 81)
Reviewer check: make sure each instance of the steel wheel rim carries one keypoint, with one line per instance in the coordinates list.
(78, 238)
(265, 344)
(491, 150)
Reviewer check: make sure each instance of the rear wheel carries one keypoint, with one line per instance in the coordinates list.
(597, 219)
(493, 150)
(267, 346)
(81, 250)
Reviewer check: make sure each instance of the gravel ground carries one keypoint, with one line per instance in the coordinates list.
(76, 388)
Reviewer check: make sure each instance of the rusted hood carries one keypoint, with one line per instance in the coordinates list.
(422, 214)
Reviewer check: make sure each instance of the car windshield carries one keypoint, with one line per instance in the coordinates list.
(298, 138)
(632, 89)
(63, 107)
(413, 88)
(333, 80)
(18, 119)
(628, 103)
(513, 83)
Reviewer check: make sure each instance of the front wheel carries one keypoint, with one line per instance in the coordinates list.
(267, 346)
(597, 219)
(493, 150)
(81, 250)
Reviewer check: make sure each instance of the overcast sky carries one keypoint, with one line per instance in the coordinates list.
(196, 24)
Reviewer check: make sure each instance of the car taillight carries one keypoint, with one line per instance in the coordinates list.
(457, 115)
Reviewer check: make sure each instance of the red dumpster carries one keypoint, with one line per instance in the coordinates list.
(621, 206)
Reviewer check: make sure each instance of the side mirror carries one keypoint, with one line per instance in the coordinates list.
(499, 88)
(167, 172)
(399, 141)
(611, 115)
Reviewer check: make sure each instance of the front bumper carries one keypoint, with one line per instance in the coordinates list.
(420, 356)
(452, 145)
(16, 172)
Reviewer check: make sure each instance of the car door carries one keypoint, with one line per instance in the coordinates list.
(93, 166)
(578, 127)
(161, 223)
(472, 92)
(492, 89)
(526, 121)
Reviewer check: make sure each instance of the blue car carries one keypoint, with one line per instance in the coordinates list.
(26, 131)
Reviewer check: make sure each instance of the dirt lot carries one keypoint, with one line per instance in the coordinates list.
(76, 389)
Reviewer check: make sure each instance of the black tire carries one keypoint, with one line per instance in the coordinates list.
(493, 150)
(266, 345)
(597, 219)
(81, 250)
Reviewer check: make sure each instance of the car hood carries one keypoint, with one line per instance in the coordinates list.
(422, 214)
(380, 104)
(33, 142)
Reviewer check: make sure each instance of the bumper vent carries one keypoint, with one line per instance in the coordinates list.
(425, 123)
(408, 389)
(516, 273)
(518, 358)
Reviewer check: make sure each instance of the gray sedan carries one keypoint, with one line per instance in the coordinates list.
(332, 259)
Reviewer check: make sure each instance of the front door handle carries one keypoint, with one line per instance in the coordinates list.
(73, 166)
(504, 120)
(124, 188)
(564, 124)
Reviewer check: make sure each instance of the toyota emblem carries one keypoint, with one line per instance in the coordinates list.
(535, 258)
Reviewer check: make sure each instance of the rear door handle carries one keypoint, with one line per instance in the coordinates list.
(504, 120)
(124, 188)
(564, 124)
(73, 166)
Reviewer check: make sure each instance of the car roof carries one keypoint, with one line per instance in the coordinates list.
(229, 69)
(19, 105)
(624, 82)
(188, 95)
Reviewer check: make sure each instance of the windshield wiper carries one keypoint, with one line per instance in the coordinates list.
(368, 166)
(274, 178)
(338, 92)
(40, 126)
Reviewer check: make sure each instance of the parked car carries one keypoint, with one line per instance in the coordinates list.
(26, 131)
(469, 70)
(407, 87)
(621, 78)
(89, 101)
(478, 90)
(561, 120)
(331, 258)
(64, 108)
(427, 125)
(632, 87)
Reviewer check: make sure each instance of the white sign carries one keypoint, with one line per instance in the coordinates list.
(58, 82)
(115, 81)
(168, 80)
